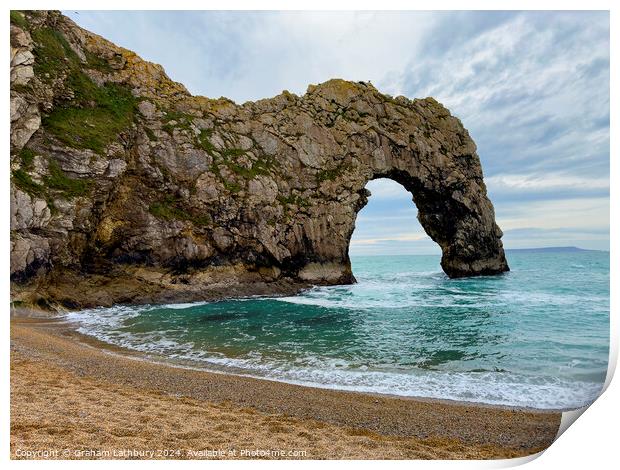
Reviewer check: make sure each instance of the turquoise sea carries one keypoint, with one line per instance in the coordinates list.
(537, 336)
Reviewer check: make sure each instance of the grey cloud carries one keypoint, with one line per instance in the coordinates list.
(458, 27)
(508, 197)
(531, 87)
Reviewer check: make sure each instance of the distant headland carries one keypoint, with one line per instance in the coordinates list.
(551, 249)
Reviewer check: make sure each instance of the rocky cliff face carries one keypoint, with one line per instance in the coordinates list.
(127, 188)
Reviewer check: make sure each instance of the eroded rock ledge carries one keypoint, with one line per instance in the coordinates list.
(125, 188)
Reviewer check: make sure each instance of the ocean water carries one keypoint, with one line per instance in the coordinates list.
(535, 337)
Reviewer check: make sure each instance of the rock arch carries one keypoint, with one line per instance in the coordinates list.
(433, 158)
(195, 192)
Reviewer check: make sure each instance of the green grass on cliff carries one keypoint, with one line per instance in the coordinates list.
(97, 63)
(331, 174)
(262, 165)
(150, 134)
(69, 187)
(23, 181)
(18, 19)
(88, 126)
(259, 167)
(169, 208)
(327, 175)
(293, 199)
(56, 180)
(26, 156)
(204, 143)
(177, 120)
(228, 157)
(52, 52)
(96, 114)
(232, 186)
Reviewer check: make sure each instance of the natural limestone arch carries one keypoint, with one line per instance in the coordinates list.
(470, 246)
(185, 195)
(438, 165)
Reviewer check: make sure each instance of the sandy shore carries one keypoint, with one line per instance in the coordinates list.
(74, 398)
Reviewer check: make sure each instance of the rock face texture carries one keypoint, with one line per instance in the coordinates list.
(126, 188)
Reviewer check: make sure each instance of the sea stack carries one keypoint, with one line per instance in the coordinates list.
(126, 188)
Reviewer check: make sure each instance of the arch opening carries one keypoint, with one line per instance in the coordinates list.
(388, 226)
(453, 212)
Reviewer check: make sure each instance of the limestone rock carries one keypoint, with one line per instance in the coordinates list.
(30, 256)
(22, 58)
(176, 195)
(25, 121)
(28, 212)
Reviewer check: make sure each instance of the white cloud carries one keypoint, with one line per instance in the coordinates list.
(583, 213)
(255, 55)
(546, 182)
(289, 50)
(384, 188)
(406, 237)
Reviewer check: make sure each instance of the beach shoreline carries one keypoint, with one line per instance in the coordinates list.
(53, 368)
(71, 329)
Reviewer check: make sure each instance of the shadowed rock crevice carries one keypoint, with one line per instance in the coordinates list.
(127, 188)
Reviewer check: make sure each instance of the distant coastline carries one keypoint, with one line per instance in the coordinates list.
(554, 249)
(546, 249)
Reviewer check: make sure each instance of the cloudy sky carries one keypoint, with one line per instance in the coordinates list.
(531, 87)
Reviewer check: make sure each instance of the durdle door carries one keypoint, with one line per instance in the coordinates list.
(126, 188)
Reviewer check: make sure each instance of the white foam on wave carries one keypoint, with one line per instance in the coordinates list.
(183, 306)
(367, 296)
(487, 387)
(495, 388)
(377, 294)
(370, 302)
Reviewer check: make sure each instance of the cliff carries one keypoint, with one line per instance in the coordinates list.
(126, 188)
